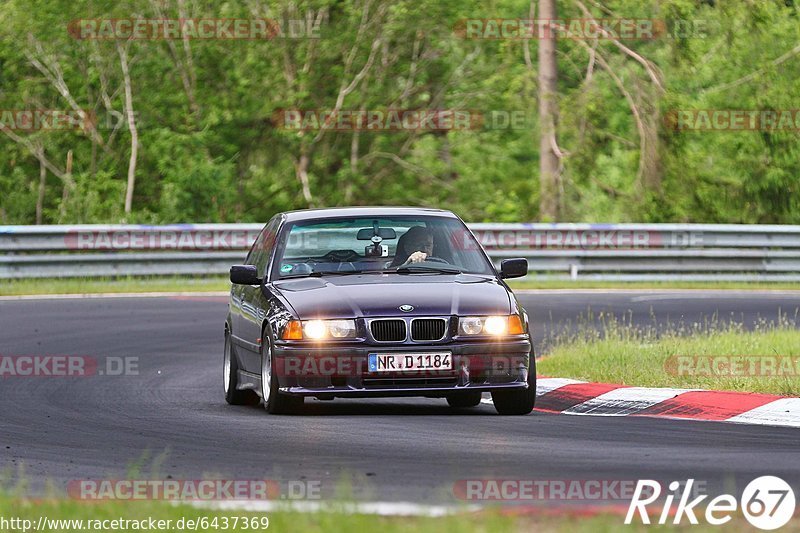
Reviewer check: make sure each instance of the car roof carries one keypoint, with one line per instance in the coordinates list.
(374, 211)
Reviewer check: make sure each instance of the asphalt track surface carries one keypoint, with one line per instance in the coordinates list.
(171, 419)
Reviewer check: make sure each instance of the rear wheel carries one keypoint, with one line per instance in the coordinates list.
(275, 402)
(230, 376)
(517, 402)
(464, 399)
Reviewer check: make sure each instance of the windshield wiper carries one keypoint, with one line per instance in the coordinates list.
(331, 273)
(411, 269)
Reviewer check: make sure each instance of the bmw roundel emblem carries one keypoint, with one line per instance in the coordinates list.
(406, 308)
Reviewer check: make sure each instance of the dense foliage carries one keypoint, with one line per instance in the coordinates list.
(210, 147)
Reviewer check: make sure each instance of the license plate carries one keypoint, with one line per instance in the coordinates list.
(407, 362)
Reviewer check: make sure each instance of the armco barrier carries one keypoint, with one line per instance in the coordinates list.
(576, 251)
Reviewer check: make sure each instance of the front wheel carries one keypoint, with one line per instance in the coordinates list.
(275, 402)
(517, 402)
(230, 376)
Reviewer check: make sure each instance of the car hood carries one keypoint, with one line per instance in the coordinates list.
(373, 295)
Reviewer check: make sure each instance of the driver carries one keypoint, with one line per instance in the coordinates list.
(414, 246)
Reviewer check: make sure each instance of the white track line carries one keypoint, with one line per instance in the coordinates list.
(109, 295)
(731, 295)
(303, 506)
(634, 290)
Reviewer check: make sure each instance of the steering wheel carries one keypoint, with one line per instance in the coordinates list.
(436, 259)
(341, 256)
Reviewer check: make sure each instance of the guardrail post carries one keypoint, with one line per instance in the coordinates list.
(573, 271)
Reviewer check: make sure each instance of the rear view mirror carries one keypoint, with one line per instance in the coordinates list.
(244, 275)
(366, 234)
(513, 268)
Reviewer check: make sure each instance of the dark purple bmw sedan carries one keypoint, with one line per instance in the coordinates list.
(375, 301)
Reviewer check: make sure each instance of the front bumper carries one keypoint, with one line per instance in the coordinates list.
(341, 370)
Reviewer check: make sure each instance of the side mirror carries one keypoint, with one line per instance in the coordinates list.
(244, 275)
(513, 268)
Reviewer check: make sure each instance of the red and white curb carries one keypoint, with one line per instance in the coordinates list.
(572, 397)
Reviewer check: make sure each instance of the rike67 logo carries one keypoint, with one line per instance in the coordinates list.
(768, 502)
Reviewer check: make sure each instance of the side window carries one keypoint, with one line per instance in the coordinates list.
(262, 248)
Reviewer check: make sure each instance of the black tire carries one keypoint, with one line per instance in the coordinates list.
(464, 399)
(517, 402)
(275, 402)
(230, 377)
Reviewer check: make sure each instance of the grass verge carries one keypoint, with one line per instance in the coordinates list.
(69, 515)
(116, 285)
(708, 356)
(221, 283)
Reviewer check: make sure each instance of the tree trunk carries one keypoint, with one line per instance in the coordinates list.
(651, 164)
(549, 190)
(69, 186)
(354, 150)
(123, 60)
(301, 170)
(40, 196)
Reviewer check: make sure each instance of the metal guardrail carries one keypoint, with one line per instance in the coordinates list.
(572, 251)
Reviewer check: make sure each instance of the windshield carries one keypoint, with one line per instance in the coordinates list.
(394, 244)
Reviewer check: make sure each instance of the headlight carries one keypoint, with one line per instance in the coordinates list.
(342, 329)
(472, 325)
(495, 326)
(314, 329)
(319, 329)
